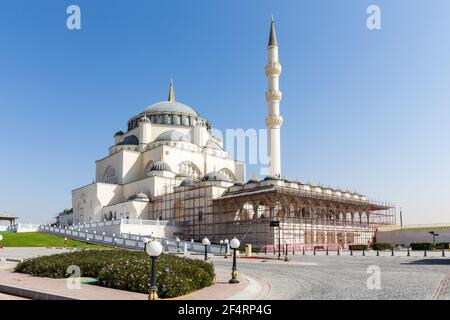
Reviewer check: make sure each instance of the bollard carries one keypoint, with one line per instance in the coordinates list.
(364, 252)
(338, 253)
(351, 251)
(392, 252)
(378, 253)
(274, 250)
(314, 251)
(407, 254)
(327, 250)
(265, 249)
(293, 250)
(425, 253)
(303, 251)
(443, 252)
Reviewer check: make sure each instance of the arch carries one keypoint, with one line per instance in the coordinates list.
(148, 166)
(110, 175)
(189, 169)
(228, 173)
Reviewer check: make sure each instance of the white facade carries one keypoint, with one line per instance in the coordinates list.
(165, 144)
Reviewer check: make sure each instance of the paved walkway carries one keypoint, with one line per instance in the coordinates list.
(15, 285)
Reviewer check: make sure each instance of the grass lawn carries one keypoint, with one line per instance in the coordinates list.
(39, 239)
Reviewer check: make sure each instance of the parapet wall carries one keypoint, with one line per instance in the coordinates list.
(405, 237)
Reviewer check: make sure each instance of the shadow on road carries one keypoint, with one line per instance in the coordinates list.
(430, 262)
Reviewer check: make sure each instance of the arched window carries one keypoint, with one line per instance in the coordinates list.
(190, 169)
(110, 175)
(227, 173)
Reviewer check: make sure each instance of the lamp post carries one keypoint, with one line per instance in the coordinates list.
(434, 234)
(279, 242)
(87, 242)
(178, 244)
(226, 248)
(221, 244)
(114, 239)
(65, 243)
(145, 241)
(153, 249)
(286, 243)
(234, 244)
(206, 243)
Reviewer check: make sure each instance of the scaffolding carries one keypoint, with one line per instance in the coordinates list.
(309, 216)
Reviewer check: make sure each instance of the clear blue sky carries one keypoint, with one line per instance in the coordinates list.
(364, 110)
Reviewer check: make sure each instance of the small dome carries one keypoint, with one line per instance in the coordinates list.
(160, 166)
(170, 107)
(215, 176)
(119, 133)
(172, 135)
(271, 178)
(187, 183)
(238, 184)
(139, 196)
(182, 175)
(129, 140)
(252, 181)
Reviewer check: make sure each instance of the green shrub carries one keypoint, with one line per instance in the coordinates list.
(423, 246)
(126, 270)
(382, 246)
(358, 246)
(443, 245)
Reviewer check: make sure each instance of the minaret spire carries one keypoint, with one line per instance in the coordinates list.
(272, 35)
(273, 98)
(171, 94)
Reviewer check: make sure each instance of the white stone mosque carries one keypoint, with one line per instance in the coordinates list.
(168, 166)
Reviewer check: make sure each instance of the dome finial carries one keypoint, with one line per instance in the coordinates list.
(171, 94)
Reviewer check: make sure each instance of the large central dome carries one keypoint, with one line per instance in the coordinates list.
(170, 107)
(169, 112)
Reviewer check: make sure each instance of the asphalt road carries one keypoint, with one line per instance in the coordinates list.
(346, 277)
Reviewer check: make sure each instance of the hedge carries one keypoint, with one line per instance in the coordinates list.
(423, 246)
(358, 246)
(126, 270)
(430, 245)
(381, 246)
(443, 245)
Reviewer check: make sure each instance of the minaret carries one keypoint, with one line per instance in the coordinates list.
(273, 98)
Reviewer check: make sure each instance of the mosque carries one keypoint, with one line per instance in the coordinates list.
(168, 166)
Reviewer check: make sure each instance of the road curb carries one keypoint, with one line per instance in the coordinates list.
(257, 289)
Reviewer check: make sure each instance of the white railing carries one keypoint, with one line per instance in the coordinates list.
(130, 241)
(148, 222)
(122, 221)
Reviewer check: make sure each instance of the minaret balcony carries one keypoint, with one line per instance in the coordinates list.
(274, 121)
(272, 69)
(273, 95)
